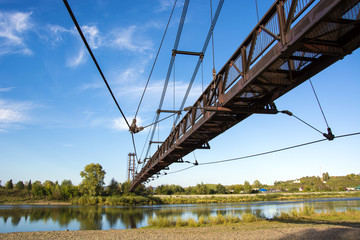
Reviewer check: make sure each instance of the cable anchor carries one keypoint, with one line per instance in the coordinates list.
(133, 128)
(329, 135)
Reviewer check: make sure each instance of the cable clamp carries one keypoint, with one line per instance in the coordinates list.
(135, 129)
(287, 112)
(329, 135)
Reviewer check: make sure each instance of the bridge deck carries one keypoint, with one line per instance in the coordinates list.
(286, 48)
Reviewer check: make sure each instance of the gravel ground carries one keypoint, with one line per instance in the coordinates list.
(239, 231)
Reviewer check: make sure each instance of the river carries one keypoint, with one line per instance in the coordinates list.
(23, 218)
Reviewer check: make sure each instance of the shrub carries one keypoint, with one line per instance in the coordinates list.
(248, 217)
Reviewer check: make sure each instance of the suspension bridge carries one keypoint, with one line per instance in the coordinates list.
(286, 48)
(293, 41)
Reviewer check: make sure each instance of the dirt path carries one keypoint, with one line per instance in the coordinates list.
(267, 230)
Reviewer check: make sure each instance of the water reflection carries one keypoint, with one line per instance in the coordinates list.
(31, 218)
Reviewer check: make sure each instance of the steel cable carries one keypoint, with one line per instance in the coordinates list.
(94, 59)
(157, 54)
(265, 153)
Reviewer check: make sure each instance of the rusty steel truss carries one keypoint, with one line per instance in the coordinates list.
(295, 40)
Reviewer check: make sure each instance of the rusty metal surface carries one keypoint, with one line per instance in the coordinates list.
(286, 48)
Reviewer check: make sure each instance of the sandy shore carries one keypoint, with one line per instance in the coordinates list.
(263, 230)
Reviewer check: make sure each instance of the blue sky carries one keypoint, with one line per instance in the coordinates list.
(56, 114)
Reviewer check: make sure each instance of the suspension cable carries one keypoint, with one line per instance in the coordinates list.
(151, 124)
(93, 58)
(317, 99)
(174, 92)
(292, 115)
(212, 36)
(157, 54)
(176, 44)
(202, 76)
(257, 11)
(206, 43)
(134, 146)
(266, 153)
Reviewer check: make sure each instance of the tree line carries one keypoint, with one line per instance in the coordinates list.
(93, 175)
(92, 185)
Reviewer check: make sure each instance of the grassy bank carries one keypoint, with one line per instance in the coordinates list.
(24, 198)
(189, 199)
(305, 215)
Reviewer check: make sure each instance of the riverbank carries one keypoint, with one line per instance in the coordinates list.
(234, 198)
(258, 230)
(182, 199)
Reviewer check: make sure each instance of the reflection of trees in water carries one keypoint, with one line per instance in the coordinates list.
(202, 212)
(169, 212)
(130, 217)
(89, 217)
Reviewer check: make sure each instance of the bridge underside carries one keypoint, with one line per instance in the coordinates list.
(286, 48)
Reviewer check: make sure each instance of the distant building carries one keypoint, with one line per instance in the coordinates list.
(263, 190)
(296, 181)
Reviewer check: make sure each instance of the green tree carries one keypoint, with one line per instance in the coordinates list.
(38, 189)
(9, 184)
(247, 187)
(93, 179)
(125, 187)
(67, 189)
(113, 188)
(256, 184)
(220, 189)
(202, 189)
(29, 186)
(326, 176)
(20, 185)
(56, 193)
(48, 187)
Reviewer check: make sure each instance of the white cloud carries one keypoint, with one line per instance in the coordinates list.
(165, 5)
(78, 59)
(54, 34)
(6, 89)
(129, 40)
(92, 36)
(13, 113)
(119, 123)
(94, 85)
(13, 26)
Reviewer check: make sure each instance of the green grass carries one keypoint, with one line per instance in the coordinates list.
(162, 222)
(306, 214)
(253, 197)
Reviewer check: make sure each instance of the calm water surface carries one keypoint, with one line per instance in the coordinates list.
(21, 218)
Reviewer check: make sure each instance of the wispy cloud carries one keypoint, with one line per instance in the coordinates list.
(165, 5)
(129, 39)
(78, 59)
(13, 113)
(93, 85)
(6, 89)
(13, 26)
(119, 123)
(54, 34)
(92, 35)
